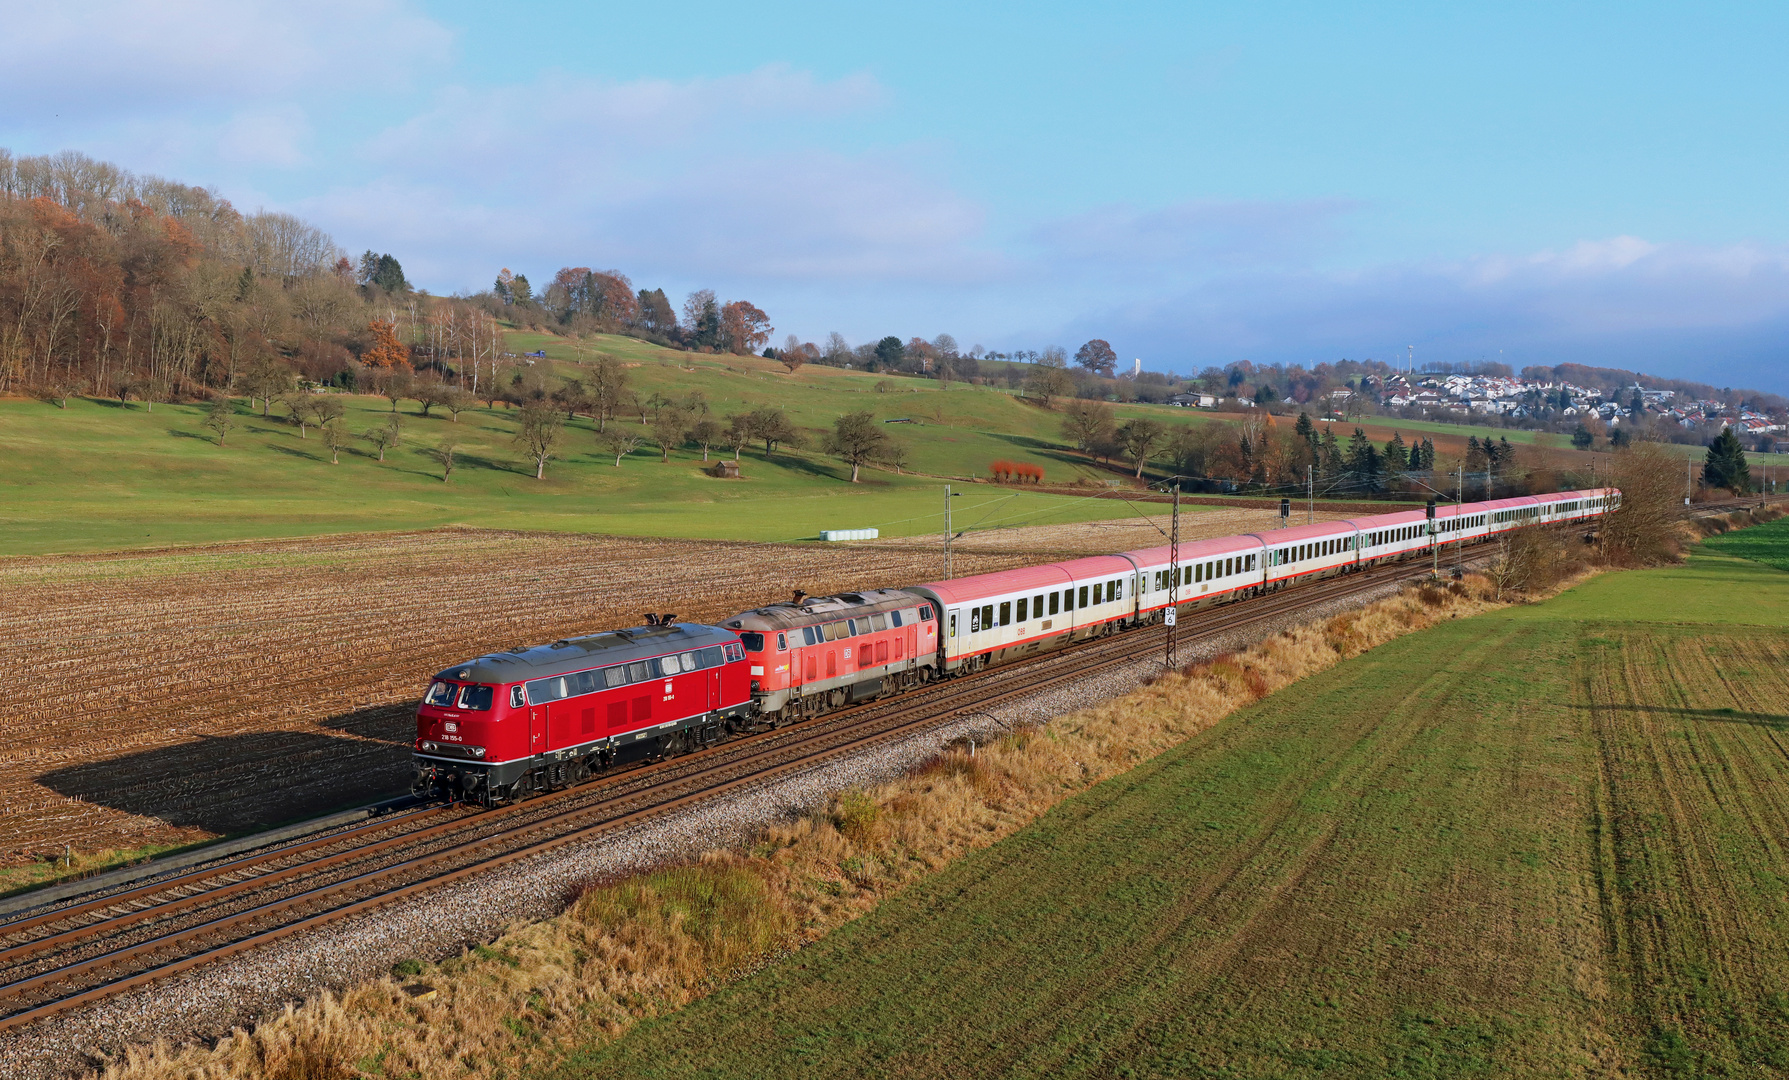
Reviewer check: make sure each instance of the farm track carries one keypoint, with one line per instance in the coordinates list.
(90, 949)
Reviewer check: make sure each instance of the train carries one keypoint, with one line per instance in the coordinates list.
(506, 725)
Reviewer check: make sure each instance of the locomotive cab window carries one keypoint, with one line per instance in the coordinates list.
(753, 642)
(782, 643)
(517, 697)
(441, 694)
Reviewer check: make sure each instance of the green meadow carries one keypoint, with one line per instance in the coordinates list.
(1541, 842)
(103, 474)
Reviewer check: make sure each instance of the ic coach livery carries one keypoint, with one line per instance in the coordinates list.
(508, 724)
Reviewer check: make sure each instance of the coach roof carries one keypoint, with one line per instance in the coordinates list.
(589, 651)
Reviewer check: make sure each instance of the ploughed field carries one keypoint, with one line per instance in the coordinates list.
(1546, 841)
(160, 698)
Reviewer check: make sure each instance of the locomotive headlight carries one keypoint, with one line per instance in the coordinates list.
(477, 751)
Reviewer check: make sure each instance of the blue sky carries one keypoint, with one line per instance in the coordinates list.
(1196, 183)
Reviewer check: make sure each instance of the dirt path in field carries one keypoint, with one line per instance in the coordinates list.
(166, 697)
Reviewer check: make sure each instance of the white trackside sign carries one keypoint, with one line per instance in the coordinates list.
(1169, 616)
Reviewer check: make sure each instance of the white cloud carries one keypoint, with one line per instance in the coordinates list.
(710, 178)
(1194, 235)
(114, 58)
(265, 137)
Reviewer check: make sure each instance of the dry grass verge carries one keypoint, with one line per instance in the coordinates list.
(648, 944)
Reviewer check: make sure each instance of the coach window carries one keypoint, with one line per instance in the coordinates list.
(1082, 602)
(1006, 613)
(1118, 589)
(975, 620)
(1053, 601)
(987, 616)
(1024, 609)
(1198, 572)
(440, 694)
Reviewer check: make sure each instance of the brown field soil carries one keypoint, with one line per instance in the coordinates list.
(167, 697)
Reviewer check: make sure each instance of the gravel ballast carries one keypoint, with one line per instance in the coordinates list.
(208, 1002)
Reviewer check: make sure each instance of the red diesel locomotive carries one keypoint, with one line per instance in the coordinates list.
(508, 724)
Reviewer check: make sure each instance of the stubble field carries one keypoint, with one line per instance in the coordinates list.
(161, 698)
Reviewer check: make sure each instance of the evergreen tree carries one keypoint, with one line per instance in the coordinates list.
(1506, 455)
(1307, 432)
(1397, 459)
(1476, 458)
(1329, 454)
(1428, 456)
(708, 325)
(1365, 466)
(1582, 439)
(1725, 465)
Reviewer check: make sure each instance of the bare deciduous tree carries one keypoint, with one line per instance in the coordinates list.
(856, 438)
(220, 417)
(335, 436)
(444, 454)
(539, 434)
(386, 435)
(618, 442)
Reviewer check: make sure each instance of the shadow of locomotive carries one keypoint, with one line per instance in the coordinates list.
(394, 724)
(241, 783)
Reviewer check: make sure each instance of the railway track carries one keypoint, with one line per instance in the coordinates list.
(92, 948)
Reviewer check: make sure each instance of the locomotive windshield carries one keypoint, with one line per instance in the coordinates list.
(441, 694)
(477, 698)
(753, 642)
